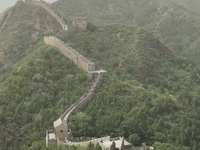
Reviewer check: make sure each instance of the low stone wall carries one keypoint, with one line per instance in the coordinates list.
(71, 53)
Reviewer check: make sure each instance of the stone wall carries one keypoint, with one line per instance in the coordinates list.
(70, 53)
(50, 10)
(84, 100)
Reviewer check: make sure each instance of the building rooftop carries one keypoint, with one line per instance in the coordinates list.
(118, 142)
(59, 122)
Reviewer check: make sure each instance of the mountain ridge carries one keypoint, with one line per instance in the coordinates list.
(173, 24)
(148, 88)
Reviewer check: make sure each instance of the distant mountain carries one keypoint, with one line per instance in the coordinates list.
(173, 24)
(192, 5)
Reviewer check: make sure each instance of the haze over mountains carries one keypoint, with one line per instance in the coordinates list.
(150, 50)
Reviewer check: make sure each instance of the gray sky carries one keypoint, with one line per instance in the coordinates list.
(4, 4)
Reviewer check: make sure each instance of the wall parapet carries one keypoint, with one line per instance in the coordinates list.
(71, 53)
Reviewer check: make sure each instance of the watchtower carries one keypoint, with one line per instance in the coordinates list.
(80, 22)
(60, 128)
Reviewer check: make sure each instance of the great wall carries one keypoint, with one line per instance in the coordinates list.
(61, 134)
(71, 53)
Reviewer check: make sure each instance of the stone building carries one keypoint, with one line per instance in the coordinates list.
(59, 134)
(80, 23)
(61, 130)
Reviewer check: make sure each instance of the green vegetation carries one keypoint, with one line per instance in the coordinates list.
(161, 105)
(35, 94)
(173, 24)
(150, 95)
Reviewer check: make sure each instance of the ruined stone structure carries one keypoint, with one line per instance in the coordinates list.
(80, 23)
(70, 53)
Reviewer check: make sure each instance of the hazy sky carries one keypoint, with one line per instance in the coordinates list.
(7, 3)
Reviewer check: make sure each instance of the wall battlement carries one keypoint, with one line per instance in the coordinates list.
(70, 53)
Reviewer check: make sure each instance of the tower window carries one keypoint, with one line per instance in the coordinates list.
(61, 131)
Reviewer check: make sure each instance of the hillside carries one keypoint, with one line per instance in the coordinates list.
(43, 85)
(151, 107)
(151, 94)
(175, 25)
(20, 29)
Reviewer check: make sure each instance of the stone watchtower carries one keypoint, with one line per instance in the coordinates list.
(60, 128)
(80, 22)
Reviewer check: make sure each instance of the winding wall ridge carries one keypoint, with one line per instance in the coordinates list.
(51, 11)
(84, 100)
(71, 53)
(81, 62)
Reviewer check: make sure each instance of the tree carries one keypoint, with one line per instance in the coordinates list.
(97, 147)
(90, 146)
(134, 139)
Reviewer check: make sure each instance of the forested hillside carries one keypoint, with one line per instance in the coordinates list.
(161, 105)
(37, 88)
(151, 93)
(173, 24)
(40, 88)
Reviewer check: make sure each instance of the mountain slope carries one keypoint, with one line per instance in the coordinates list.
(20, 29)
(43, 85)
(150, 93)
(173, 24)
(149, 90)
